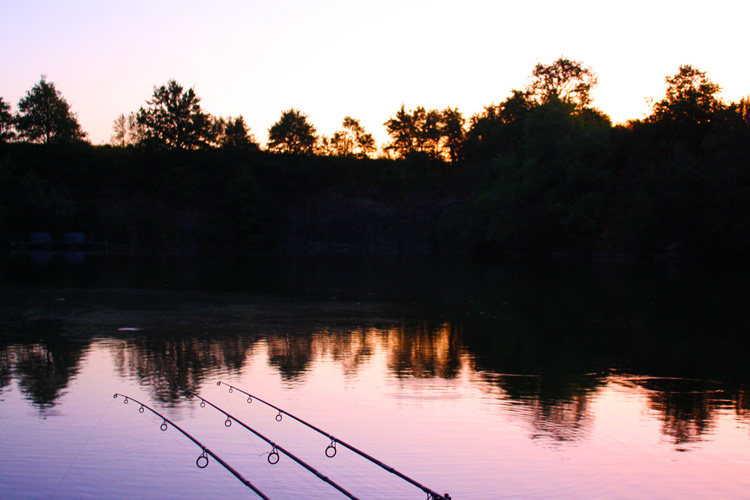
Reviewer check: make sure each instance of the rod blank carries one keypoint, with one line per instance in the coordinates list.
(273, 457)
(331, 450)
(202, 461)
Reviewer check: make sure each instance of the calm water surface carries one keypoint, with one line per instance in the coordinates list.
(513, 380)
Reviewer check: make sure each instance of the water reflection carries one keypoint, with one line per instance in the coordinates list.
(291, 354)
(421, 351)
(5, 368)
(350, 349)
(555, 403)
(561, 413)
(166, 364)
(424, 351)
(42, 370)
(687, 408)
(545, 339)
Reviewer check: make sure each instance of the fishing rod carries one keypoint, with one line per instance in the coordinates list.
(273, 456)
(330, 451)
(202, 461)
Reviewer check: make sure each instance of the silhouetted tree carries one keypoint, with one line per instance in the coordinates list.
(174, 119)
(402, 130)
(351, 141)
(553, 191)
(564, 79)
(125, 131)
(691, 99)
(687, 184)
(6, 122)
(341, 144)
(44, 116)
(324, 145)
(429, 131)
(419, 131)
(498, 127)
(363, 142)
(742, 109)
(292, 134)
(119, 131)
(452, 128)
(235, 134)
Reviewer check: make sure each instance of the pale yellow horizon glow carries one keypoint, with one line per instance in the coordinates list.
(336, 58)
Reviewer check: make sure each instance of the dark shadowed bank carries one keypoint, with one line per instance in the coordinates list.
(131, 200)
(543, 173)
(564, 183)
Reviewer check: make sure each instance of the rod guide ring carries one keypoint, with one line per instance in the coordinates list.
(202, 461)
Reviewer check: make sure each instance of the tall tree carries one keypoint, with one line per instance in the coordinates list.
(125, 131)
(119, 131)
(44, 116)
(418, 131)
(691, 98)
(292, 134)
(6, 122)
(351, 141)
(364, 142)
(429, 126)
(498, 127)
(235, 134)
(551, 191)
(430, 132)
(174, 119)
(402, 130)
(564, 79)
(742, 109)
(339, 144)
(453, 133)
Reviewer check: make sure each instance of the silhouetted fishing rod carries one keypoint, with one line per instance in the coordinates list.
(202, 460)
(273, 456)
(330, 451)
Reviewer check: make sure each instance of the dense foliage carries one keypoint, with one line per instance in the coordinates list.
(173, 118)
(292, 134)
(540, 173)
(45, 116)
(6, 122)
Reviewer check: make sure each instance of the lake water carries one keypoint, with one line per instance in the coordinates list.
(484, 381)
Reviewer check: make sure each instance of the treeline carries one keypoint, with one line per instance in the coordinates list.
(543, 172)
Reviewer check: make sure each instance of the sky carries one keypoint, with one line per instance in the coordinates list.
(360, 58)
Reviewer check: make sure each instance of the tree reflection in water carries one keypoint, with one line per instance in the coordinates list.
(687, 408)
(413, 351)
(5, 368)
(290, 354)
(42, 370)
(349, 348)
(163, 365)
(423, 351)
(545, 382)
(561, 421)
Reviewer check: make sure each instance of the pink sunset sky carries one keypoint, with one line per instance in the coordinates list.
(336, 58)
